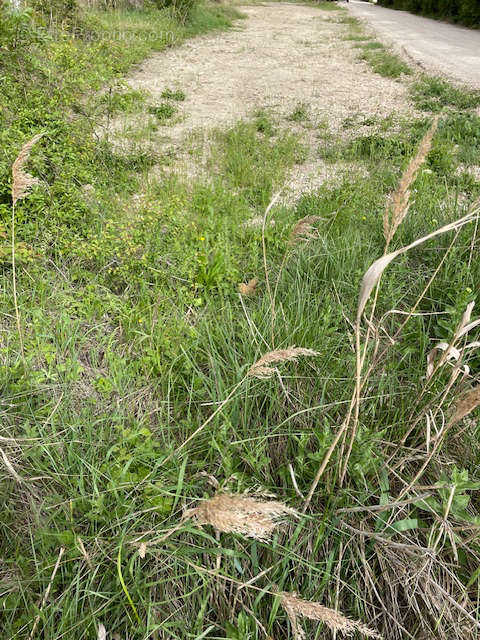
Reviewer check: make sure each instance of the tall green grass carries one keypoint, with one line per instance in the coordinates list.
(135, 335)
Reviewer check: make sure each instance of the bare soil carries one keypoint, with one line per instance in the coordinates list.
(281, 55)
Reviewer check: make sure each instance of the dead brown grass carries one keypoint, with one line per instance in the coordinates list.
(262, 368)
(296, 608)
(247, 515)
(22, 181)
(400, 204)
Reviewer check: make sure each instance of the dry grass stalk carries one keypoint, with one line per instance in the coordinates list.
(250, 516)
(102, 632)
(450, 353)
(23, 181)
(303, 229)
(376, 269)
(370, 279)
(261, 368)
(249, 288)
(21, 184)
(10, 467)
(414, 584)
(84, 553)
(296, 607)
(396, 213)
(465, 405)
(47, 593)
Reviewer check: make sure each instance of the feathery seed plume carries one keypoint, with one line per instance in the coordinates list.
(247, 515)
(466, 404)
(23, 181)
(261, 369)
(303, 229)
(296, 607)
(249, 288)
(398, 209)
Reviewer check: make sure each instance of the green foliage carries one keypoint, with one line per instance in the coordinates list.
(299, 114)
(122, 101)
(18, 31)
(173, 94)
(264, 122)
(382, 61)
(64, 11)
(134, 333)
(434, 94)
(182, 8)
(164, 111)
(466, 12)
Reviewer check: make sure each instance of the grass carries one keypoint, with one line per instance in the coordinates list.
(173, 94)
(383, 62)
(135, 336)
(299, 114)
(374, 53)
(164, 111)
(434, 94)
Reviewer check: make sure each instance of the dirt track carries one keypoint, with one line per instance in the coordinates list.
(436, 46)
(279, 56)
(282, 54)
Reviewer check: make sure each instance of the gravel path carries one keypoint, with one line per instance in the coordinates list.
(279, 56)
(436, 46)
(282, 54)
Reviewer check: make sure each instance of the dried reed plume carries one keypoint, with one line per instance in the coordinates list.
(23, 181)
(395, 214)
(247, 515)
(465, 405)
(249, 288)
(10, 467)
(21, 184)
(261, 369)
(296, 607)
(376, 269)
(303, 229)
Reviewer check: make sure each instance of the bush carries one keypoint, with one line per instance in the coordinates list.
(466, 12)
(57, 10)
(181, 8)
(17, 30)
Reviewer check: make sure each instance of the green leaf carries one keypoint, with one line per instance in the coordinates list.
(407, 524)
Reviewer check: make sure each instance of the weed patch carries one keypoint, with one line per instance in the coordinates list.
(163, 112)
(173, 94)
(212, 419)
(299, 114)
(382, 61)
(435, 94)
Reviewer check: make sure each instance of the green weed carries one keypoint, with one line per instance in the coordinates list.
(384, 62)
(435, 94)
(128, 101)
(173, 94)
(299, 114)
(135, 334)
(163, 112)
(264, 122)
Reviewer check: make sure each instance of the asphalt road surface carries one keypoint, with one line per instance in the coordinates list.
(436, 46)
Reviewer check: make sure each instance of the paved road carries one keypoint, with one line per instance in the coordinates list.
(437, 46)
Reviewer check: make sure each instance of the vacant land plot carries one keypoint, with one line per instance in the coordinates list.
(239, 348)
